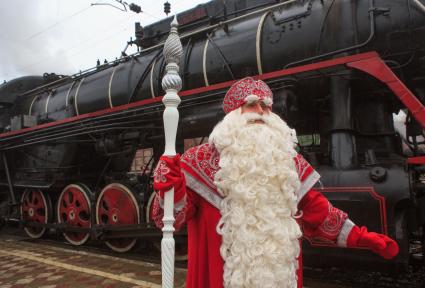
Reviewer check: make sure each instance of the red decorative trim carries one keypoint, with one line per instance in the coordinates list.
(286, 72)
(372, 192)
(319, 65)
(377, 68)
(416, 160)
(85, 116)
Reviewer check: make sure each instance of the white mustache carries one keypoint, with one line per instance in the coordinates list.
(252, 117)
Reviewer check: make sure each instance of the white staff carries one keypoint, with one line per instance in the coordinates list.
(171, 83)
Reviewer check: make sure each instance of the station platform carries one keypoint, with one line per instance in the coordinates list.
(31, 264)
(44, 263)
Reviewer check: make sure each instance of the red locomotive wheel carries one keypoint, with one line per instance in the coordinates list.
(116, 205)
(149, 208)
(180, 246)
(35, 207)
(73, 208)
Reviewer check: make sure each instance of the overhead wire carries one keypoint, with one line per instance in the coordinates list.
(56, 24)
(44, 59)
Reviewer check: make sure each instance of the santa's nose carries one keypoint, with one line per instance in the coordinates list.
(259, 109)
(255, 107)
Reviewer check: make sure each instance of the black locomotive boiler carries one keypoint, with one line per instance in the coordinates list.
(339, 69)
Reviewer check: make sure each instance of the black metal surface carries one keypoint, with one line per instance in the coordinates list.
(342, 141)
(9, 181)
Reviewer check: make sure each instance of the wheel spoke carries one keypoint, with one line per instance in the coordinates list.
(40, 216)
(82, 222)
(110, 199)
(103, 211)
(36, 198)
(83, 205)
(80, 211)
(127, 218)
(25, 207)
(122, 200)
(30, 197)
(39, 205)
(69, 197)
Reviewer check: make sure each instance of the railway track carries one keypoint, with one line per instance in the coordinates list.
(414, 277)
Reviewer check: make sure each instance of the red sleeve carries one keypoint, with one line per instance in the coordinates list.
(182, 215)
(307, 175)
(320, 221)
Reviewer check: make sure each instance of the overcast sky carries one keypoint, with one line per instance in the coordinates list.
(65, 36)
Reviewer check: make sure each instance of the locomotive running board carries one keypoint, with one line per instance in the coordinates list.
(369, 62)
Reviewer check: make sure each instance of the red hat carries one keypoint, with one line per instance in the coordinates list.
(247, 90)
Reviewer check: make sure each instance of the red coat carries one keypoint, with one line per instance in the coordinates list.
(205, 265)
(319, 220)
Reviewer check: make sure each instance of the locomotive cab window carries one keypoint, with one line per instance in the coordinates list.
(142, 161)
(308, 140)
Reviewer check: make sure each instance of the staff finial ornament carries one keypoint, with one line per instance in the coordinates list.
(172, 84)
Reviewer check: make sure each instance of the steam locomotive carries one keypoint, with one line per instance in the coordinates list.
(339, 69)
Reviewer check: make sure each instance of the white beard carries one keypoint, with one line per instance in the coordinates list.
(258, 180)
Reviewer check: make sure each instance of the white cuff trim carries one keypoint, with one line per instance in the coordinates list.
(161, 202)
(178, 206)
(341, 240)
(307, 185)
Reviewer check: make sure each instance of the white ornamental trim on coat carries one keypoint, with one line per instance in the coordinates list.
(204, 191)
(160, 171)
(307, 184)
(341, 240)
(198, 170)
(333, 222)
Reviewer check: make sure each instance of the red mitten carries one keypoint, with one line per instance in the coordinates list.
(168, 174)
(378, 243)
